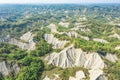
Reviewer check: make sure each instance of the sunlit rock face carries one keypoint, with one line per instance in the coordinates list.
(27, 36)
(57, 44)
(94, 61)
(53, 28)
(72, 34)
(26, 41)
(5, 68)
(70, 57)
(115, 36)
(111, 57)
(64, 24)
(117, 47)
(55, 77)
(94, 74)
(100, 40)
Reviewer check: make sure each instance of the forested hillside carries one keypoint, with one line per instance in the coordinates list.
(60, 42)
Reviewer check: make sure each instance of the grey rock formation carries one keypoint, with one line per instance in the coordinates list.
(28, 45)
(46, 78)
(55, 77)
(115, 36)
(102, 77)
(84, 37)
(64, 24)
(72, 34)
(111, 57)
(53, 28)
(70, 57)
(117, 47)
(94, 61)
(94, 74)
(57, 44)
(27, 36)
(5, 68)
(100, 40)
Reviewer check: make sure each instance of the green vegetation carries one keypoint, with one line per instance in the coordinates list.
(97, 46)
(102, 20)
(11, 52)
(72, 71)
(33, 69)
(62, 37)
(62, 29)
(112, 70)
(42, 46)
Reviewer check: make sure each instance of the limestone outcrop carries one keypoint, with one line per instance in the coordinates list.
(57, 44)
(5, 68)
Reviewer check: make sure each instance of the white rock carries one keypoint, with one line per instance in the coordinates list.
(94, 74)
(53, 28)
(57, 44)
(27, 36)
(6, 68)
(72, 34)
(80, 75)
(84, 29)
(46, 78)
(80, 58)
(111, 57)
(72, 78)
(70, 57)
(100, 40)
(84, 37)
(115, 36)
(55, 77)
(64, 24)
(94, 61)
(117, 48)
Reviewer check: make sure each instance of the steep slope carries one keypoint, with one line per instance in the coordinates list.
(29, 44)
(6, 68)
(57, 44)
(70, 57)
(52, 27)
